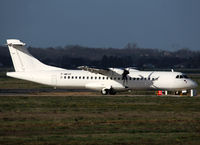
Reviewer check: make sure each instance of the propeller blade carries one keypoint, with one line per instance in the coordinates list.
(150, 75)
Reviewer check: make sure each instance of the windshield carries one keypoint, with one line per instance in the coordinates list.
(182, 76)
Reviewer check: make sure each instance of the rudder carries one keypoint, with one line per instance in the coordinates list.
(22, 60)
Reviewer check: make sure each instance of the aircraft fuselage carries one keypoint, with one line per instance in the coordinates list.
(84, 79)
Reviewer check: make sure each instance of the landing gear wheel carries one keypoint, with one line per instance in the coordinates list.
(112, 92)
(104, 91)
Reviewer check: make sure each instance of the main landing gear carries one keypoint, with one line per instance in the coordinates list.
(108, 91)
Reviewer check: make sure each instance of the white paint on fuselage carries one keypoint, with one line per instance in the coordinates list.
(84, 79)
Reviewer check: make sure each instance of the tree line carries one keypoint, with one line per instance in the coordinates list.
(75, 55)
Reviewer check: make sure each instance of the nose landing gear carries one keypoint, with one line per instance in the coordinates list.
(191, 92)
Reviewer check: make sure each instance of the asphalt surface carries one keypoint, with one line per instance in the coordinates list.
(61, 92)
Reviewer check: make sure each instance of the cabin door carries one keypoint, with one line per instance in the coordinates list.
(54, 80)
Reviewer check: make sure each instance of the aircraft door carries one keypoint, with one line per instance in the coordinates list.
(54, 80)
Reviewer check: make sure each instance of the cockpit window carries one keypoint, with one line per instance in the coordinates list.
(181, 76)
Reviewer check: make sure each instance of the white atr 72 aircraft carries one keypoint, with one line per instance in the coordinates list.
(108, 81)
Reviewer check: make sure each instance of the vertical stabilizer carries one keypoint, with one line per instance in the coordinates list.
(22, 60)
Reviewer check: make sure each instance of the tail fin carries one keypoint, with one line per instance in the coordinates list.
(22, 60)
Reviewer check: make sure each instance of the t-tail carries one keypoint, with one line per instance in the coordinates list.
(22, 60)
(26, 66)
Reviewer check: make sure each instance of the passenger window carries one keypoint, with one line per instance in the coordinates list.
(79, 77)
(111, 78)
(95, 78)
(64, 77)
(91, 78)
(83, 77)
(177, 76)
(181, 76)
(99, 77)
(68, 77)
(118, 78)
(75, 77)
(103, 78)
(138, 78)
(107, 78)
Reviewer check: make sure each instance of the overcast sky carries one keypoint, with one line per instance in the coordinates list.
(165, 24)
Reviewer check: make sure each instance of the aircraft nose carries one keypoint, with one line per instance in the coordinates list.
(190, 84)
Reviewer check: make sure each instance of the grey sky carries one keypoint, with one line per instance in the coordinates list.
(162, 24)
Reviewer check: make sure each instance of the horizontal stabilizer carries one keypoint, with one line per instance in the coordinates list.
(15, 42)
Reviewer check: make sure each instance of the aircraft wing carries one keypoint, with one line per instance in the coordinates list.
(106, 72)
(95, 70)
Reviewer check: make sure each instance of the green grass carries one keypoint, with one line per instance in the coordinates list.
(99, 120)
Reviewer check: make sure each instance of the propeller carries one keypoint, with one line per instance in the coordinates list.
(155, 79)
(151, 80)
(124, 74)
(149, 76)
(124, 77)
